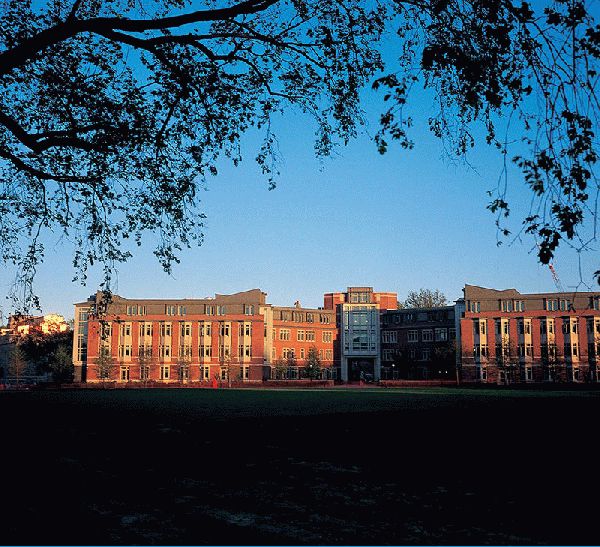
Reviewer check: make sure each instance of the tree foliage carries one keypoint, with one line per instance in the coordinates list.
(50, 353)
(522, 73)
(113, 113)
(104, 363)
(425, 298)
(312, 365)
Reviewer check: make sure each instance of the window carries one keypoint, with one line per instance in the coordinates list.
(165, 371)
(205, 351)
(205, 328)
(284, 334)
(224, 329)
(528, 374)
(127, 350)
(287, 353)
(474, 307)
(170, 310)
(452, 334)
(184, 373)
(427, 335)
(310, 318)
(387, 337)
(425, 354)
(106, 330)
(480, 350)
(329, 354)
(574, 326)
(302, 354)
(124, 374)
(165, 329)
(506, 305)
(300, 336)
(285, 315)
(206, 373)
(519, 305)
(126, 329)
(324, 319)
(248, 309)
(185, 350)
(328, 336)
(550, 323)
(164, 351)
(185, 329)
(247, 350)
(528, 350)
(221, 310)
(441, 335)
(310, 335)
(144, 372)
(413, 335)
(145, 330)
(209, 309)
(224, 351)
(527, 326)
(388, 354)
(565, 305)
(181, 310)
(595, 302)
(247, 329)
(297, 316)
(145, 351)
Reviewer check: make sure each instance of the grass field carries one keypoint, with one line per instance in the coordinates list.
(373, 466)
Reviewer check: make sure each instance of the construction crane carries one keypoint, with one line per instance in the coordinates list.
(555, 278)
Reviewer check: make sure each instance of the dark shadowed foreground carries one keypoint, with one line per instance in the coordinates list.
(296, 467)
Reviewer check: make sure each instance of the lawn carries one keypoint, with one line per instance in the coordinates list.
(373, 466)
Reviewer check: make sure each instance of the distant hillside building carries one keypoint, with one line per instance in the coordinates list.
(13, 365)
(20, 325)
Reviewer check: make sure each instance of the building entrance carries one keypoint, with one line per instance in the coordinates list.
(361, 369)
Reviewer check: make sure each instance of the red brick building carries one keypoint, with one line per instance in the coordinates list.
(509, 337)
(235, 337)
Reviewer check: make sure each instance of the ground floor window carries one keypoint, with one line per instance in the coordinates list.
(144, 372)
(184, 373)
(246, 372)
(223, 373)
(165, 372)
(124, 374)
(206, 373)
(528, 374)
(483, 374)
(575, 374)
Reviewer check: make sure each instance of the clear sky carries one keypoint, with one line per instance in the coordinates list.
(402, 221)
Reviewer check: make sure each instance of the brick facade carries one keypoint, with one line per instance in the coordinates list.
(507, 337)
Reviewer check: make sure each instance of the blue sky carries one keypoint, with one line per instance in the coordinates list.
(398, 222)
